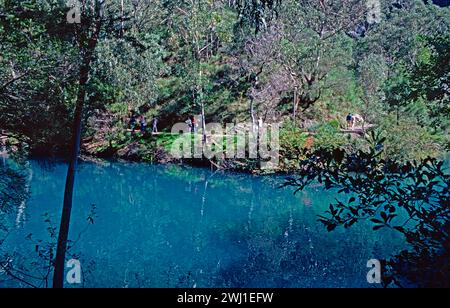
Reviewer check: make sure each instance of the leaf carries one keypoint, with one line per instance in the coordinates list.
(354, 211)
(392, 216)
(351, 223)
(400, 229)
(331, 227)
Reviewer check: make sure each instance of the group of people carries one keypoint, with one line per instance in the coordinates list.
(192, 124)
(352, 119)
(134, 119)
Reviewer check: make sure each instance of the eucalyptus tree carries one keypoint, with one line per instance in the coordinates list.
(387, 37)
(48, 54)
(371, 75)
(131, 61)
(37, 73)
(315, 42)
(92, 22)
(266, 76)
(257, 13)
(402, 53)
(197, 77)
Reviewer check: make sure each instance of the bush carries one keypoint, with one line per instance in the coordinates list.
(328, 136)
(407, 140)
(292, 142)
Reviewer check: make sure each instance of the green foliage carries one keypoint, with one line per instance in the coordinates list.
(166, 140)
(292, 144)
(257, 13)
(121, 64)
(314, 47)
(173, 59)
(412, 198)
(423, 85)
(430, 79)
(36, 74)
(407, 140)
(13, 188)
(328, 136)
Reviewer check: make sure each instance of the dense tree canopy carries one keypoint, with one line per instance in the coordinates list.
(310, 60)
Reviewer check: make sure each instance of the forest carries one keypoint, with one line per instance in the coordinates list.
(305, 64)
(355, 85)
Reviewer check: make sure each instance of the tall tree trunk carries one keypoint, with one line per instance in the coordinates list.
(202, 105)
(203, 124)
(88, 46)
(58, 279)
(294, 109)
(122, 30)
(252, 114)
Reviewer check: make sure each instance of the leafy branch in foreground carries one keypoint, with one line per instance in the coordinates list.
(35, 270)
(412, 198)
(12, 188)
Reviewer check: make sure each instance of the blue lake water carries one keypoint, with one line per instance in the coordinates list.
(171, 226)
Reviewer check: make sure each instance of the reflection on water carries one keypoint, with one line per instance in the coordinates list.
(170, 226)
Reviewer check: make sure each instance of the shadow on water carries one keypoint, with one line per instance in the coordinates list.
(171, 226)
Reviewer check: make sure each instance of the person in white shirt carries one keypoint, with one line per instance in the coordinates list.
(357, 119)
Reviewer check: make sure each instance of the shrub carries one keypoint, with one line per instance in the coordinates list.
(406, 140)
(292, 142)
(328, 136)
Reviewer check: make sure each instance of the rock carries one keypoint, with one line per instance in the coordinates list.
(162, 157)
(130, 152)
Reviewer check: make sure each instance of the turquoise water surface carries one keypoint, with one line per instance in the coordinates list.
(171, 226)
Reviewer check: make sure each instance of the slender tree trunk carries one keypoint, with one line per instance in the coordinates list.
(294, 110)
(202, 105)
(122, 30)
(87, 50)
(203, 123)
(252, 114)
(58, 279)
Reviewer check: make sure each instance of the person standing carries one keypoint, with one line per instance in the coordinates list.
(155, 125)
(143, 124)
(349, 120)
(194, 124)
(260, 125)
(189, 123)
(132, 121)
